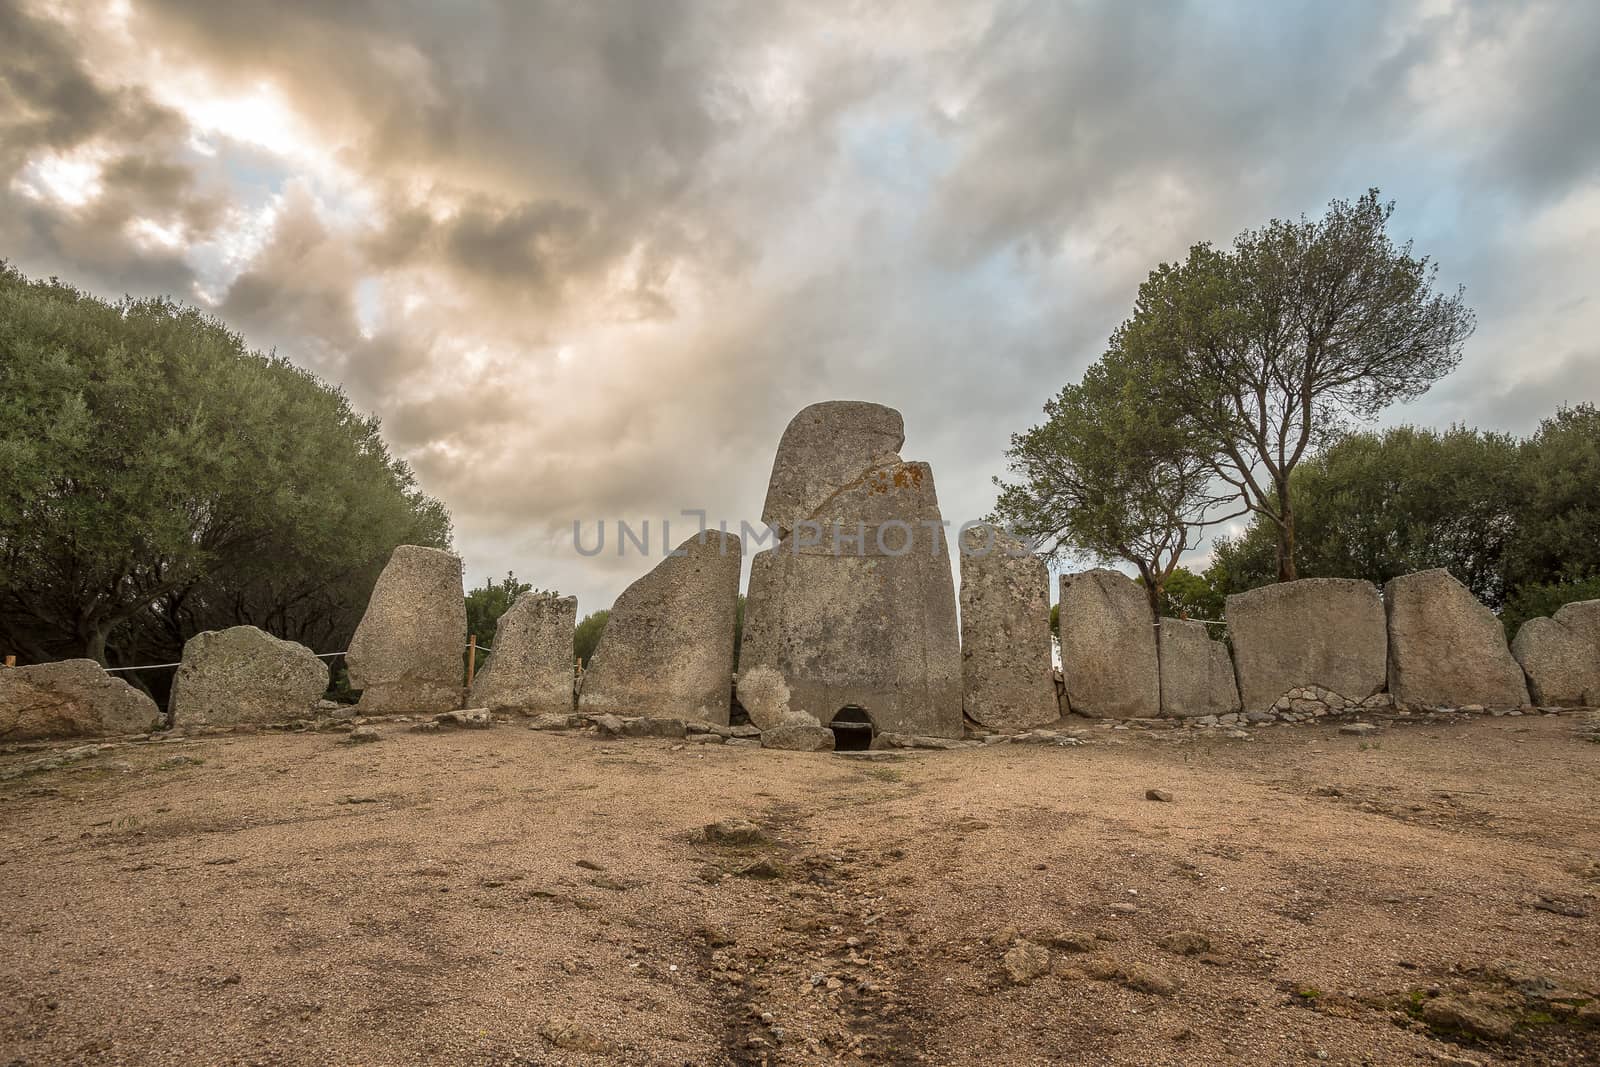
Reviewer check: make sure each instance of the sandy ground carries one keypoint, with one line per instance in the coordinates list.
(507, 896)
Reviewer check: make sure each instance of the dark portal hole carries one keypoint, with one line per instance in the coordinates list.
(852, 729)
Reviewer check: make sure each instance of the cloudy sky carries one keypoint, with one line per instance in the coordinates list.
(586, 259)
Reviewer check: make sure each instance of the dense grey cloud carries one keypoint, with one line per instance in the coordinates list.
(585, 260)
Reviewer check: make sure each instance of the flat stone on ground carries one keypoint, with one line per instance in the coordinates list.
(70, 698)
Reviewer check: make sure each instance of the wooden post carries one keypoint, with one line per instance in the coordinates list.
(11, 661)
(472, 658)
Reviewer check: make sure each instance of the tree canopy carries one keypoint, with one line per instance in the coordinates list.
(157, 479)
(586, 638)
(1236, 366)
(1514, 520)
(489, 601)
(1110, 476)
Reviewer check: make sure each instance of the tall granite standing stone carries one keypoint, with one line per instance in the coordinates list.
(1445, 648)
(243, 675)
(1006, 676)
(1324, 632)
(854, 609)
(1196, 671)
(1582, 617)
(406, 656)
(667, 649)
(1108, 646)
(530, 669)
(825, 447)
(1561, 664)
(70, 698)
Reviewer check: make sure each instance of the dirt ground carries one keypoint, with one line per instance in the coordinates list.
(508, 896)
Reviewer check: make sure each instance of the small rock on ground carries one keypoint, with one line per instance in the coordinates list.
(1025, 961)
(572, 1038)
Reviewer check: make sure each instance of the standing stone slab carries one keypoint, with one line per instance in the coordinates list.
(1560, 663)
(243, 674)
(1325, 632)
(406, 656)
(1196, 672)
(1582, 617)
(71, 698)
(1445, 648)
(855, 606)
(1108, 646)
(1006, 676)
(827, 446)
(667, 649)
(530, 669)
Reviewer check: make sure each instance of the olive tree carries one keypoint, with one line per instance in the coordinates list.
(157, 478)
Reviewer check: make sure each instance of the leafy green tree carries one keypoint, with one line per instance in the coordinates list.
(1191, 596)
(1377, 506)
(157, 478)
(489, 601)
(1265, 348)
(586, 637)
(1110, 476)
(1534, 599)
(1558, 534)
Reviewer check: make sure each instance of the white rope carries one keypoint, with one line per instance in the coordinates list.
(158, 666)
(319, 655)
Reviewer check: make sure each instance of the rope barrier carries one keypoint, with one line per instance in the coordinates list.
(159, 666)
(319, 655)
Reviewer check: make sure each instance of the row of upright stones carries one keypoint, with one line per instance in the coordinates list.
(1315, 645)
(851, 616)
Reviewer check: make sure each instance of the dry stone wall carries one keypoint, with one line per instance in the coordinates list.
(1324, 632)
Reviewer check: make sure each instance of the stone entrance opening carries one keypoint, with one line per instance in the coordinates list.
(852, 729)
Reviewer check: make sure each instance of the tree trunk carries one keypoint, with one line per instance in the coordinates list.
(94, 643)
(1286, 568)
